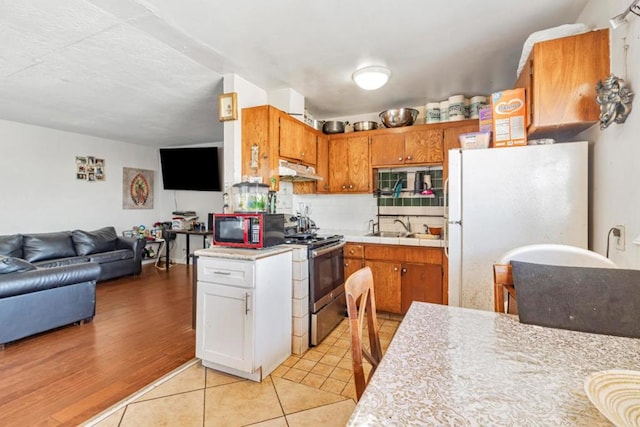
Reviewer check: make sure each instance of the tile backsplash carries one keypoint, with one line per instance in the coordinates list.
(388, 178)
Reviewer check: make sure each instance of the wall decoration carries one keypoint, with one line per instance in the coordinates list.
(228, 106)
(89, 168)
(137, 188)
(614, 98)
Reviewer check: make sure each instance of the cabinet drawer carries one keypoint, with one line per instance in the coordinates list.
(353, 251)
(226, 272)
(400, 253)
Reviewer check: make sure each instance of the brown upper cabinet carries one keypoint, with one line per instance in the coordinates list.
(322, 164)
(451, 141)
(297, 141)
(349, 167)
(268, 135)
(411, 147)
(559, 79)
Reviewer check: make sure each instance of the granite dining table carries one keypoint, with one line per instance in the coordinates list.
(463, 367)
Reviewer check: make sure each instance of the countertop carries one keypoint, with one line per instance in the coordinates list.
(242, 254)
(456, 366)
(361, 237)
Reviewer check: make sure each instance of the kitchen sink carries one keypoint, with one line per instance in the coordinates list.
(391, 234)
(403, 234)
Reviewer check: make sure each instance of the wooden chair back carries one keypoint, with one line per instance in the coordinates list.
(503, 282)
(361, 306)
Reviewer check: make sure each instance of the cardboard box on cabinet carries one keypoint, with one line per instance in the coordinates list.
(509, 111)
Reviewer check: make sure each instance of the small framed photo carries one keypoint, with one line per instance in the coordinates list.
(228, 106)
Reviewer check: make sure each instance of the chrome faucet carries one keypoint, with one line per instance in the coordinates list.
(406, 226)
(373, 225)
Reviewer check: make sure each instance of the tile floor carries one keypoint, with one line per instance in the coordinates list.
(315, 389)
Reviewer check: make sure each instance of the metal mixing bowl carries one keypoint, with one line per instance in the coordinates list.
(360, 126)
(398, 117)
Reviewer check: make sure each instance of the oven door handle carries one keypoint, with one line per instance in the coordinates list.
(322, 251)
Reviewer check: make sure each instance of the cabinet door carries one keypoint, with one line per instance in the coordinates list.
(322, 164)
(386, 285)
(258, 127)
(562, 95)
(387, 150)
(421, 282)
(451, 141)
(309, 146)
(291, 138)
(338, 165)
(359, 167)
(351, 265)
(423, 146)
(224, 332)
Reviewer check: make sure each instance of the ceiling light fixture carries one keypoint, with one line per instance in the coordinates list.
(619, 20)
(374, 77)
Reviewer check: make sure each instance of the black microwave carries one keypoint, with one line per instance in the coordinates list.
(248, 230)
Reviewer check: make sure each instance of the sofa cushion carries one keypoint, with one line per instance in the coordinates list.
(11, 245)
(11, 265)
(36, 247)
(61, 261)
(112, 256)
(93, 242)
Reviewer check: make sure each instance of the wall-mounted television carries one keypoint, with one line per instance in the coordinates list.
(193, 168)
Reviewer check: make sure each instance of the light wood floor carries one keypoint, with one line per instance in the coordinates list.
(141, 331)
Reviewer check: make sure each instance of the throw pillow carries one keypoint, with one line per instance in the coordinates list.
(11, 245)
(10, 264)
(93, 242)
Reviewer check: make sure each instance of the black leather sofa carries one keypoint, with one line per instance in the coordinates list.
(49, 280)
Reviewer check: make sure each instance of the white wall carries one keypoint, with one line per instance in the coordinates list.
(615, 151)
(40, 192)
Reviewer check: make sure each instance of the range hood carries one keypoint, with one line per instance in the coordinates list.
(295, 172)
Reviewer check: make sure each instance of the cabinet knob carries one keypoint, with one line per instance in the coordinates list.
(351, 252)
(399, 159)
(350, 186)
(408, 157)
(302, 155)
(346, 264)
(395, 268)
(344, 187)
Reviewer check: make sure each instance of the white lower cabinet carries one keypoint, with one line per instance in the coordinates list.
(243, 313)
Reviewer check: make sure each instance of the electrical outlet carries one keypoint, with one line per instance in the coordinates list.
(620, 238)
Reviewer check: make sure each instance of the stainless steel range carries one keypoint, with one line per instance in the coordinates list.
(327, 303)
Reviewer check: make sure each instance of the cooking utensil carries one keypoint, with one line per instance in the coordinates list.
(435, 231)
(317, 124)
(333, 126)
(367, 125)
(397, 187)
(398, 117)
(418, 185)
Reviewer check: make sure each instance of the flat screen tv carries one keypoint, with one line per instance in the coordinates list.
(194, 168)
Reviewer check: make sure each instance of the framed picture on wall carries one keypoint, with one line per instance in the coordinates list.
(228, 106)
(137, 188)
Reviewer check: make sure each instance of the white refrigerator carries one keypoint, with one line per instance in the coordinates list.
(502, 198)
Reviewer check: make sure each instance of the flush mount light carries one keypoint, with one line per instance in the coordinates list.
(372, 78)
(619, 20)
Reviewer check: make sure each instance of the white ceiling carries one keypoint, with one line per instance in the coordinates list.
(149, 72)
